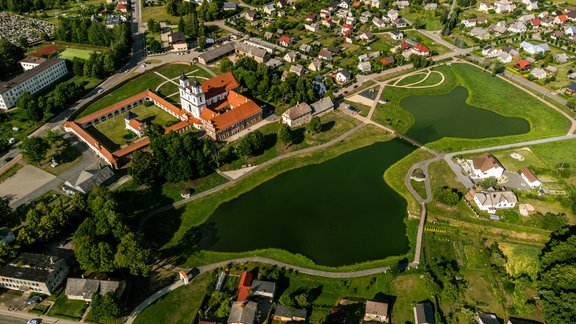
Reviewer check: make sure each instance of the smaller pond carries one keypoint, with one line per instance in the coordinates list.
(336, 213)
(449, 115)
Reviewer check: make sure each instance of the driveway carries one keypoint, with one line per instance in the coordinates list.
(513, 180)
(24, 182)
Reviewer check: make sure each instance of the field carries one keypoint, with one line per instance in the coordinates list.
(113, 132)
(67, 308)
(71, 53)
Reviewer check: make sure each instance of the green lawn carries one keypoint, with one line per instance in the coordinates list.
(179, 306)
(521, 259)
(411, 79)
(172, 71)
(67, 308)
(433, 46)
(364, 110)
(71, 53)
(113, 129)
(158, 13)
(409, 290)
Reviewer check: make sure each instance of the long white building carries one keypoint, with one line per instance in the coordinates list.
(35, 78)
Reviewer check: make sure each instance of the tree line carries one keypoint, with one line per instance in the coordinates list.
(20, 6)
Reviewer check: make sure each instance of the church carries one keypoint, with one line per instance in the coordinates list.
(222, 111)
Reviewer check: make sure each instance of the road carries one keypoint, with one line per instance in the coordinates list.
(157, 295)
(9, 317)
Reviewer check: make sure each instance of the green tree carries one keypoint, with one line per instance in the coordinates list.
(132, 255)
(181, 25)
(223, 310)
(5, 211)
(447, 196)
(154, 45)
(285, 135)
(488, 183)
(315, 125)
(144, 169)
(34, 149)
(10, 55)
(252, 144)
(302, 300)
(557, 284)
(226, 65)
(106, 307)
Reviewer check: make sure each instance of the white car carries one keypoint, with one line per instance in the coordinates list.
(34, 321)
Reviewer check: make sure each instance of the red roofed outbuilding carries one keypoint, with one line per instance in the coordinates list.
(245, 285)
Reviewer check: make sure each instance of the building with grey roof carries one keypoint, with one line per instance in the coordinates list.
(322, 106)
(217, 53)
(289, 314)
(88, 179)
(85, 289)
(32, 80)
(35, 272)
(297, 115)
(257, 54)
(264, 288)
(243, 312)
(424, 314)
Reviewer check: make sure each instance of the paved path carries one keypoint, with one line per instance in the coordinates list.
(11, 317)
(206, 268)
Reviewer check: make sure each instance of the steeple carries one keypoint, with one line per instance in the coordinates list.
(196, 83)
(182, 76)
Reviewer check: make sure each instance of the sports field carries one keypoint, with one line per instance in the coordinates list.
(71, 53)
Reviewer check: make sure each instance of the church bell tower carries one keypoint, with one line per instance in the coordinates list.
(192, 97)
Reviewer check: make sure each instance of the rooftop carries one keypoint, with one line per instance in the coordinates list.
(28, 74)
(33, 267)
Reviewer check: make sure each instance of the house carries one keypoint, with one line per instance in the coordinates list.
(325, 13)
(560, 19)
(286, 41)
(497, 29)
(392, 14)
(531, 5)
(229, 6)
(504, 6)
(469, 23)
(268, 35)
(133, 124)
(269, 9)
(375, 4)
(378, 22)
(421, 50)
(297, 115)
(400, 23)
(346, 29)
(282, 4)
(306, 48)
(538, 73)
(523, 65)
(504, 57)
(264, 288)
(315, 66)
(388, 60)
(85, 289)
(6, 236)
(88, 180)
(570, 30)
(243, 312)
(328, 22)
(274, 63)
(491, 201)
(561, 58)
(431, 6)
(535, 23)
(377, 312)
(344, 4)
(486, 166)
(38, 273)
(534, 49)
(299, 70)
(402, 4)
(517, 28)
(397, 35)
(350, 20)
(571, 89)
(251, 15)
(364, 67)
(424, 313)
(343, 76)
(325, 55)
(510, 50)
(530, 178)
(258, 54)
(490, 51)
(366, 36)
(244, 286)
(291, 57)
(311, 17)
(486, 318)
(479, 32)
(322, 106)
(516, 320)
(289, 314)
(312, 27)
(485, 7)
(122, 8)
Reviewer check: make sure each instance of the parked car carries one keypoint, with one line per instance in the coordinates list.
(34, 321)
(33, 300)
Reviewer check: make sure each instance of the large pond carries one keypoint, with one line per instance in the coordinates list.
(449, 115)
(341, 211)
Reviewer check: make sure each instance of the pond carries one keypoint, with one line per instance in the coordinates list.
(337, 212)
(449, 115)
(341, 211)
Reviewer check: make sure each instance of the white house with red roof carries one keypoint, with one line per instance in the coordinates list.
(133, 124)
(530, 178)
(486, 166)
(286, 40)
(347, 29)
(421, 50)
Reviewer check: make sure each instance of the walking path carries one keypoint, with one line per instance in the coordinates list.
(206, 268)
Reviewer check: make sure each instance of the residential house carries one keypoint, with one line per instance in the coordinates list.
(306, 48)
(375, 4)
(229, 6)
(392, 14)
(490, 51)
(269, 9)
(431, 6)
(299, 70)
(504, 57)
(366, 36)
(485, 166)
(491, 201)
(251, 15)
(311, 17)
(400, 23)
(531, 5)
(485, 6)
(312, 27)
(274, 63)
(289, 314)
(424, 313)
(534, 49)
(516, 320)
(517, 28)
(557, 34)
(571, 89)
(561, 58)
(388, 60)
(38, 273)
(538, 73)
(291, 57)
(178, 41)
(397, 35)
(378, 22)
(298, 115)
(421, 50)
(526, 18)
(322, 106)
(535, 23)
(86, 289)
(469, 23)
(498, 29)
(344, 4)
(346, 29)
(402, 4)
(486, 318)
(364, 67)
(510, 50)
(571, 30)
(504, 6)
(325, 13)
(325, 55)
(315, 66)
(480, 33)
(244, 286)
(264, 288)
(258, 54)
(343, 76)
(530, 178)
(286, 41)
(523, 65)
(282, 4)
(328, 22)
(560, 19)
(350, 20)
(268, 35)
(243, 312)
(377, 312)
(88, 180)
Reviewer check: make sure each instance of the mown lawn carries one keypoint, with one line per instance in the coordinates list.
(409, 290)
(67, 308)
(71, 53)
(411, 79)
(158, 13)
(179, 306)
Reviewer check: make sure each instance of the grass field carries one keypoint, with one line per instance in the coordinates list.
(67, 308)
(158, 13)
(116, 133)
(180, 305)
(71, 53)
(521, 259)
(411, 79)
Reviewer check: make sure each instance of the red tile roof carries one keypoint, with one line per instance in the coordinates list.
(562, 18)
(421, 49)
(91, 140)
(219, 84)
(285, 40)
(244, 286)
(404, 45)
(522, 64)
(136, 145)
(536, 22)
(528, 174)
(109, 109)
(135, 124)
(241, 108)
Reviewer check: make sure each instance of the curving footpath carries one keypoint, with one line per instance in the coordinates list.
(206, 268)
